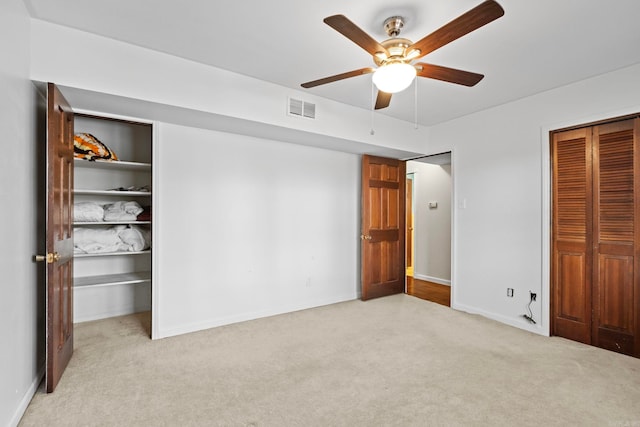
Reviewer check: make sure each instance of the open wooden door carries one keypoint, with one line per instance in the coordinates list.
(409, 224)
(59, 236)
(383, 226)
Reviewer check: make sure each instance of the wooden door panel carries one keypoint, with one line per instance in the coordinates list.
(572, 186)
(375, 202)
(387, 269)
(572, 287)
(615, 183)
(616, 293)
(616, 341)
(391, 212)
(572, 296)
(383, 210)
(571, 271)
(59, 236)
(615, 277)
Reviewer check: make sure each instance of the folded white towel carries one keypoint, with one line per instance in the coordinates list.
(98, 240)
(122, 211)
(119, 238)
(88, 212)
(137, 238)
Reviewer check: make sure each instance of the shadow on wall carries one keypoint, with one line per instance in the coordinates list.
(40, 193)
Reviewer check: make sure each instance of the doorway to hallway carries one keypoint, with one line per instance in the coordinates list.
(428, 227)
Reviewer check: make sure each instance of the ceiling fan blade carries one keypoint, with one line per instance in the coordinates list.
(451, 75)
(383, 100)
(344, 26)
(337, 77)
(477, 17)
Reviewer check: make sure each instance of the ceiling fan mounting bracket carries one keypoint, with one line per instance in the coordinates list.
(393, 25)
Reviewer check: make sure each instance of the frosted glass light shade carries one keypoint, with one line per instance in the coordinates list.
(394, 77)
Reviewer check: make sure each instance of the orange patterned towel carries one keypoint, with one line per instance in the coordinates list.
(87, 146)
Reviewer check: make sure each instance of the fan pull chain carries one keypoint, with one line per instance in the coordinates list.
(373, 91)
(415, 103)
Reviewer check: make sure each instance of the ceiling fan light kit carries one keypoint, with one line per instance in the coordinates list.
(394, 77)
(394, 56)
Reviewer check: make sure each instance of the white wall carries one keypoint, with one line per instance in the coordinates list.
(21, 348)
(247, 227)
(432, 227)
(118, 68)
(502, 171)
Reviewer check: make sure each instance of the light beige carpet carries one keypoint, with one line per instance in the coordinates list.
(396, 361)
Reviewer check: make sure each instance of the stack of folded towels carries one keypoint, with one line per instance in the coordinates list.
(119, 238)
(95, 212)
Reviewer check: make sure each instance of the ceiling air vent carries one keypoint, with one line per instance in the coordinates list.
(302, 109)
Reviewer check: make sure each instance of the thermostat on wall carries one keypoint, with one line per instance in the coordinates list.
(433, 205)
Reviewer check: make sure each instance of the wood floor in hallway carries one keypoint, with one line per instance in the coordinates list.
(429, 291)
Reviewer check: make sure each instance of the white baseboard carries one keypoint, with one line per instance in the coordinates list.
(26, 399)
(432, 279)
(517, 322)
(242, 317)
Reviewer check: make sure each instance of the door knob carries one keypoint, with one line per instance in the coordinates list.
(365, 237)
(50, 258)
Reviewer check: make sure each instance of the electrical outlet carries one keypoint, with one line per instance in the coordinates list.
(510, 292)
(533, 296)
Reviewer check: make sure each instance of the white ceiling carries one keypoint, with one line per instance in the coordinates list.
(537, 45)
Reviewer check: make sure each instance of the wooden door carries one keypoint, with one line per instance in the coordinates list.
(572, 222)
(383, 226)
(616, 237)
(596, 236)
(409, 225)
(59, 236)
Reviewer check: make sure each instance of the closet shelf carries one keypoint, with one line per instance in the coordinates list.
(112, 164)
(113, 279)
(113, 223)
(77, 255)
(112, 193)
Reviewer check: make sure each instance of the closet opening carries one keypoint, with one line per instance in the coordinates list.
(112, 219)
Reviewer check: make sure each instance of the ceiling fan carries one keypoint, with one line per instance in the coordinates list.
(394, 56)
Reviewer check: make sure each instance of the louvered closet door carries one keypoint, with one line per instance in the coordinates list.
(615, 290)
(572, 222)
(596, 236)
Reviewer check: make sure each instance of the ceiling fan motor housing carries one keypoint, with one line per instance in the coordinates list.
(397, 48)
(393, 25)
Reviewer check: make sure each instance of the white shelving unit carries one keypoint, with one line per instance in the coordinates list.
(113, 283)
(114, 279)
(113, 223)
(111, 254)
(111, 193)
